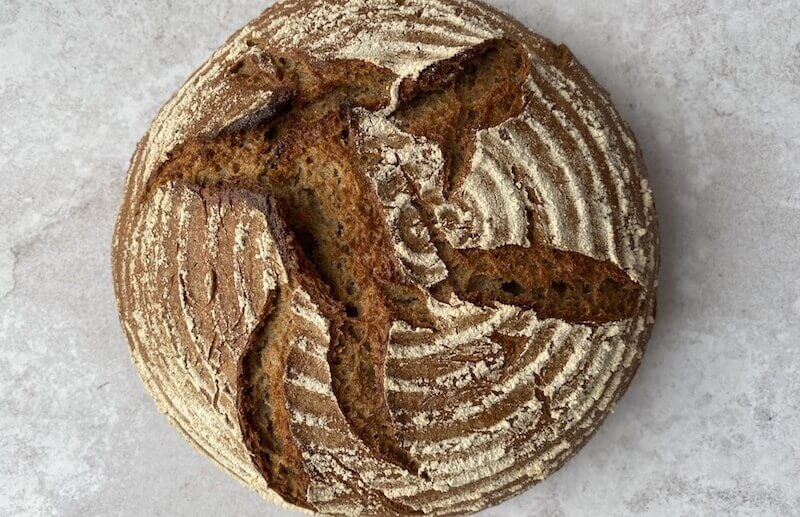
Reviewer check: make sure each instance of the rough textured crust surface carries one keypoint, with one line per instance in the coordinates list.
(387, 257)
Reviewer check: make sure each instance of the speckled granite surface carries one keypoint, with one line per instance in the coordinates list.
(711, 426)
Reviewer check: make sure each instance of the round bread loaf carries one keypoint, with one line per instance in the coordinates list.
(387, 257)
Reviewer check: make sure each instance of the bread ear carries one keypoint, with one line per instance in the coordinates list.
(231, 336)
(198, 273)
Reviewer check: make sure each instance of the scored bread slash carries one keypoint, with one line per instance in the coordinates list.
(387, 257)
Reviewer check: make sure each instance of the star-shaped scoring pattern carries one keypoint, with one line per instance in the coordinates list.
(478, 348)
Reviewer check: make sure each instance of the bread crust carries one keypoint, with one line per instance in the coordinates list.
(494, 220)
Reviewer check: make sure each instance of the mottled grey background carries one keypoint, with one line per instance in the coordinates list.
(709, 427)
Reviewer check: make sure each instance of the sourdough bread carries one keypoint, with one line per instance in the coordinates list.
(387, 257)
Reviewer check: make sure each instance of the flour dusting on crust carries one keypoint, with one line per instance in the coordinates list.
(487, 400)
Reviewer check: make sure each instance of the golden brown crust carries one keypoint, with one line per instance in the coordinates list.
(371, 280)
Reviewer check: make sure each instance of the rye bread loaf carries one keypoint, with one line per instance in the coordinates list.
(387, 256)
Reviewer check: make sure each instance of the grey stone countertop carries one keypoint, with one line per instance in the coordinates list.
(710, 426)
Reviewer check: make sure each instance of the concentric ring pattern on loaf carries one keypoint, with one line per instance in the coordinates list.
(387, 257)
